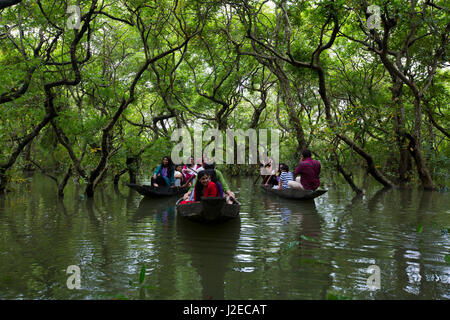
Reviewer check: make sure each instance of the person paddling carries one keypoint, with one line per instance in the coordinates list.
(190, 170)
(179, 176)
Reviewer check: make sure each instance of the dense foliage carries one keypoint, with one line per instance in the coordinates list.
(96, 100)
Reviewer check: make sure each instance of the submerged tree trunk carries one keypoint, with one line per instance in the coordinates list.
(415, 139)
(118, 175)
(106, 152)
(24, 142)
(63, 182)
(415, 148)
(132, 167)
(404, 165)
(371, 168)
(3, 180)
(347, 176)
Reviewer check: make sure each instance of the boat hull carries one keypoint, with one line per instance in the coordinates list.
(209, 210)
(160, 192)
(295, 194)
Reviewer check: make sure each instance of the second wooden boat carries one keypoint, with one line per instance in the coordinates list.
(296, 194)
(209, 210)
(157, 192)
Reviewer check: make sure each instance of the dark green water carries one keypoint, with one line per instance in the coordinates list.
(270, 253)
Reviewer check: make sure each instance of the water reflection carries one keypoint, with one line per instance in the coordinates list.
(212, 248)
(162, 209)
(278, 249)
(378, 199)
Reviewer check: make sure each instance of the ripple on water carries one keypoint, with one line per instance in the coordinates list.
(279, 249)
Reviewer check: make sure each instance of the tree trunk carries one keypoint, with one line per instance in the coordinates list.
(294, 121)
(369, 160)
(28, 166)
(348, 177)
(3, 180)
(63, 183)
(117, 177)
(132, 167)
(23, 143)
(424, 174)
(415, 148)
(404, 165)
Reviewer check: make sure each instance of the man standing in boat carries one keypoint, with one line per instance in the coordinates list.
(309, 170)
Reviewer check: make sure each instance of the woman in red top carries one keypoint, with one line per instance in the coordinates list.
(204, 187)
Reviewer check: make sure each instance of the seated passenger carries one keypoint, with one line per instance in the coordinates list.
(190, 169)
(164, 173)
(204, 187)
(229, 195)
(285, 177)
(274, 179)
(212, 174)
(309, 169)
(179, 176)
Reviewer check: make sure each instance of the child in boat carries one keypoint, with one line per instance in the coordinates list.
(285, 177)
(179, 176)
(204, 187)
(164, 173)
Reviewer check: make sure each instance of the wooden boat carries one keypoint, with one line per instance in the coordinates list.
(213, 209)
(157, 192)
(296, 194)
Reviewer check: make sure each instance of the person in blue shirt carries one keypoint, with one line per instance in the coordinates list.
(285, 177)
(164, 175)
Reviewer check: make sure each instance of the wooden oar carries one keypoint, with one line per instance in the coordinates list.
(195, 171)
(257, 178)
(190, 179)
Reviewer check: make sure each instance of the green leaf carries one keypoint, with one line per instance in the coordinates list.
(308, 238)
(142, 274)
(419, 228)
(292, 244)
(447, 258)
(335, 296)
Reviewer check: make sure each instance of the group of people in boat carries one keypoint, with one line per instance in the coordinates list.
(205, 180)
(202, 177)
(307, 172)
